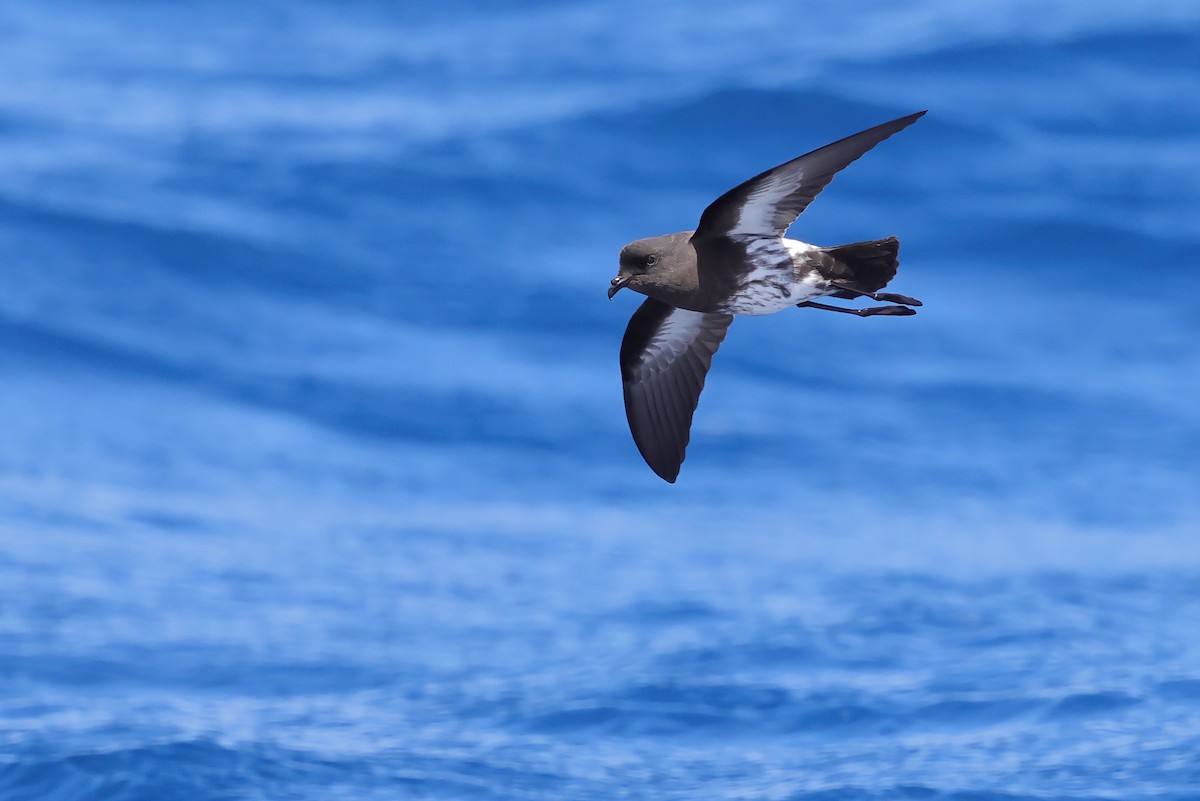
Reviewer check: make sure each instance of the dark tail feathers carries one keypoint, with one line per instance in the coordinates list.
(867, 265)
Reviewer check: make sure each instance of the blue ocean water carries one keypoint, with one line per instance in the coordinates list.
(316, 483)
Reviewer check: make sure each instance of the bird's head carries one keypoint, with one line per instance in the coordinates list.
(639, 261)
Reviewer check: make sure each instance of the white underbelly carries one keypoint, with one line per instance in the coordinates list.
(781, 281)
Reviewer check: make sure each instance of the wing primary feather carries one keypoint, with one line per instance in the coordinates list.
(770, 202)
(665, 356)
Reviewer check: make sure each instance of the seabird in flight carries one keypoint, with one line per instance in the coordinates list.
(737, 261)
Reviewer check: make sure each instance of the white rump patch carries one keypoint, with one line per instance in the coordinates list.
(799, 250)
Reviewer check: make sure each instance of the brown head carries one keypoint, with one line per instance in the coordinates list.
(661, 267)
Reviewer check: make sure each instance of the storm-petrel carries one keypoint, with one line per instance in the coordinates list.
(737, 261)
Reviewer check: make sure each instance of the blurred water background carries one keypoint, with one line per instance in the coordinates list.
(315, 481)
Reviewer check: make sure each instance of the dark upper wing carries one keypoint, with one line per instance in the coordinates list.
(768, 203)
(664, 357)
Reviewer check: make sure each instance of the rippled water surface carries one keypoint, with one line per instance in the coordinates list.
(316, 484)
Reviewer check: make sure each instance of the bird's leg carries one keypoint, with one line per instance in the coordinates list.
(884, 297)
(894, 311)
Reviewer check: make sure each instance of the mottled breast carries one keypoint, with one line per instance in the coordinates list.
(778, 273)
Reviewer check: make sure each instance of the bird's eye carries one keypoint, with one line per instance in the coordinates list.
(651, 261)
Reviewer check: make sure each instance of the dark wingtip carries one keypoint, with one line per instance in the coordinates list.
(909, 119)
(665, 472)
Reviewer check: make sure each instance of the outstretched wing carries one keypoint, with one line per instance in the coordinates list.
(665, 355)
(768, 203)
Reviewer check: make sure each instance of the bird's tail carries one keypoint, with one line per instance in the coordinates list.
(867, 265)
